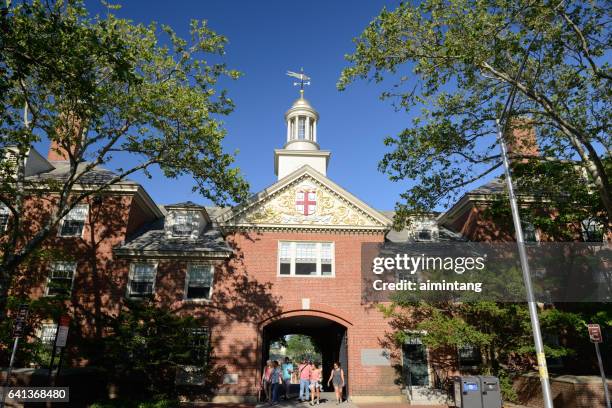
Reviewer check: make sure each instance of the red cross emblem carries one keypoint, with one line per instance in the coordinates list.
(306, 202)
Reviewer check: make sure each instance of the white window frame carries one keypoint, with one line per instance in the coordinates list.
(4, 210)
(192, 217)
(41, 330)
(52, 267)
(292, 257)
(212, 282)
(61, 223)
(131, 277)
(591, 224)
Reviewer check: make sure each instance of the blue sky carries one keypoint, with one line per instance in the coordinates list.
(266, 38)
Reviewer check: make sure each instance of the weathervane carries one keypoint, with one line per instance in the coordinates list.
(302, 77)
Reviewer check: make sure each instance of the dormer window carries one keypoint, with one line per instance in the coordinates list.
(185, 220)
(183, 224)
(424, 235)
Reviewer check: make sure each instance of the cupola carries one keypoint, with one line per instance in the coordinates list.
(301, 146)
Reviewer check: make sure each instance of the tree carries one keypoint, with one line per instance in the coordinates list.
(149, 343)
(101, 87)
(500, 331)
(465, 56)
(300, 347)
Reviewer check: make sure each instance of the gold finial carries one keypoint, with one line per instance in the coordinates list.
(303, 80)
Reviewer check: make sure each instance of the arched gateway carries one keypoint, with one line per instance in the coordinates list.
(328, 332)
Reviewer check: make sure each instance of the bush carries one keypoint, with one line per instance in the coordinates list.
(147, 344)
(164, 403)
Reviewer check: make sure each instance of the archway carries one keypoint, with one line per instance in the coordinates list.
(329, 335)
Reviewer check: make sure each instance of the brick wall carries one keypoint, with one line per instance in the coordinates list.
(100, 278)
(567, 391)
(248, 293)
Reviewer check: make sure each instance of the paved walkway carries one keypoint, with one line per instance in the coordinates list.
(328, 400)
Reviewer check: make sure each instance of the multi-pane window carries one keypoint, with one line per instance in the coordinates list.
(592, 230)
(47, 333)
(199, 282)
(4, 217)
(59, 281)
(142, 280)
(284, 257)
(72, 224)
(530, 234)
(199, 345)
(183, 224)
(326, 259)
(305, 258)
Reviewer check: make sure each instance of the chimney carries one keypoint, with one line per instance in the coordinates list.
(56, 152)
(73, 124)
(521, 138)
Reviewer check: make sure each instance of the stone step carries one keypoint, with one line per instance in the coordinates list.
(428, 396)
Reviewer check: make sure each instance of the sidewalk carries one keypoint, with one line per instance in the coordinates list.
(328, 401)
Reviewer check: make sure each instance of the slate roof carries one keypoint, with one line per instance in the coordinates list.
(97, 175)
(405, 235)
(186, 204)
(155, 240)
(152, 239)
(495, 186)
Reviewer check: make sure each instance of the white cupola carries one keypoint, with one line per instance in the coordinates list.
(301, 147)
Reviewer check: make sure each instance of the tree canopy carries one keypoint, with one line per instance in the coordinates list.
(465, 56)
(100, 88)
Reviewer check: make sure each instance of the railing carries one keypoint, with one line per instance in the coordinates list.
(410, 384)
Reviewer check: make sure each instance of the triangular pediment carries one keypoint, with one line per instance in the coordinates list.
(305, 199)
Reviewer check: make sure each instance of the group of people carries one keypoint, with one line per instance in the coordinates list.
(276, 379)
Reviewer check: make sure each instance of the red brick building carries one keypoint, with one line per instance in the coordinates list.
(287, 261)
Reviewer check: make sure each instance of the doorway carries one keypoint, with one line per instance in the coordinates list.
(415, 364)
(328, 337)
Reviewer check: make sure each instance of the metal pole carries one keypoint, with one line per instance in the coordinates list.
(533, 309)
(8, 372)
(59, 366)
(603, 374)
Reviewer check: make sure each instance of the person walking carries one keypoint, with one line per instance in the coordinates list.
(337, 379)
(315, 384)
(276, 380)
(304, 370)
(266, 385)
(287, 369)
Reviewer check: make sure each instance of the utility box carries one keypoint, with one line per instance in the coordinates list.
(468, 392)
(491, 392)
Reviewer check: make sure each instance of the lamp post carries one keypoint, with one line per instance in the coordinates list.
(531, 303)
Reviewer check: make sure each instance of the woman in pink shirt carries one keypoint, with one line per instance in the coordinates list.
(265, 380)
(315, 384)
